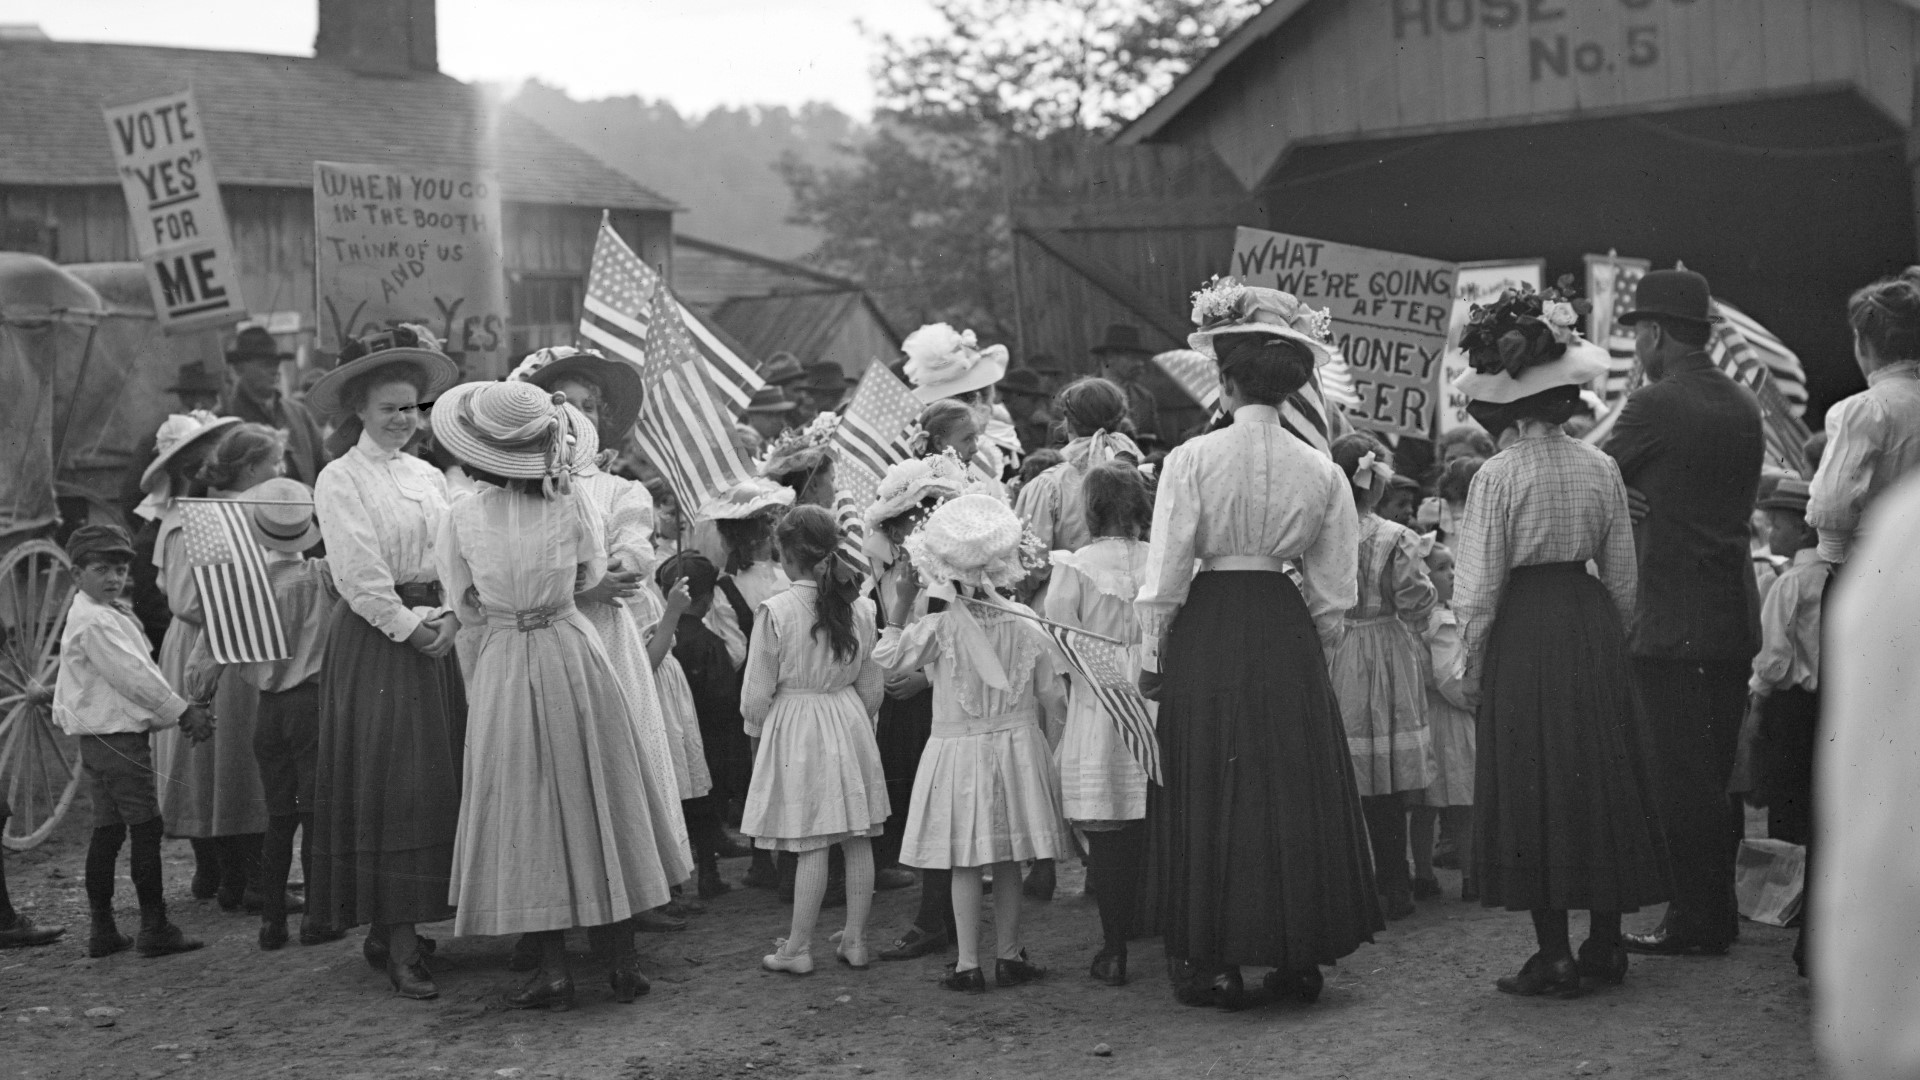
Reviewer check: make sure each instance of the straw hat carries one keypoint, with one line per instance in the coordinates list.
(620, 384)
(802, 448)
(514, 430)
(282, 515)
(913, 481)
(747, 498)
(1791, 493)
(943, 362)
(1582, 363)
(407, 344)
(1226, 306)
(178, 432)
(972, 540)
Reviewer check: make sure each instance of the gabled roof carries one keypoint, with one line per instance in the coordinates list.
(1189, 86)
(804, 325)
(767, 262)
(269, 118)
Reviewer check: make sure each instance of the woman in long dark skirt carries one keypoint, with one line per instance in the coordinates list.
(393, 708)
(1563, 814)
(1259, 847)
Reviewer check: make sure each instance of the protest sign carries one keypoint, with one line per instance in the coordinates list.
(411, 246)
(1478, 283)
(1390, 317)
(173, 203)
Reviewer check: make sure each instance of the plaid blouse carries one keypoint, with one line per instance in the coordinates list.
(1545, 499)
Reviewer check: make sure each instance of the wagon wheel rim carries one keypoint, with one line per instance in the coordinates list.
(39, 764)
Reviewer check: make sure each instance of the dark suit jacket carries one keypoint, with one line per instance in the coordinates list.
(1691, 444)
(306, 448)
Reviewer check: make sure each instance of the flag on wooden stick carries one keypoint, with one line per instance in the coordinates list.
(230, 570)
(685, 427)
(872, 433)
(1103, 666)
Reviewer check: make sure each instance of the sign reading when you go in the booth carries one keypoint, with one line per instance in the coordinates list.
(160, 152)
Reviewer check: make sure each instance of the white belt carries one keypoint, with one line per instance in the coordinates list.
(1272, 563)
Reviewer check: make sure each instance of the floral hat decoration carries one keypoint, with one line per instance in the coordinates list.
(912, 482)
(802, 449)
(747, 498)
(1527, 342)
(1227, 306)
(943, 362)
(977, 540)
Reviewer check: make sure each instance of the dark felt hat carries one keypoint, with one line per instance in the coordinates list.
(195, 377)
(782, 368)
(770, 399)
(254, 343)
(1023, 381)
(828, 377)
(1671, 294)
(96, 541)
(1121, 338)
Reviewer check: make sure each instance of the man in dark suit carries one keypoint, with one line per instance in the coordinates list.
(1689, 444)
(256, 398)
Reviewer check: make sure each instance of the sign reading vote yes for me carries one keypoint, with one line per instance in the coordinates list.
(160, 151)
(415, 246)
(1390, 318)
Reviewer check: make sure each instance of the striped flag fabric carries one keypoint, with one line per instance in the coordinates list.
(1304, 413)
(1757, 346)
(1103, 667)
(731, 372)
(1752, 363)
(686, 426)
(230, 570)
(872, 432)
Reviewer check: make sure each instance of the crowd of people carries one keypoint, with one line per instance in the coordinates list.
(527, 692)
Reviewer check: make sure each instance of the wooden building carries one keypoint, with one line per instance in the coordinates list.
(1764, 143)
(770, 305)
(371, 93)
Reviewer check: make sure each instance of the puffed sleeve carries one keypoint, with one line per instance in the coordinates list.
(1413, 593)
(1330, 568)
(456, 575)
(119, 658)
(1038, 504)
(1169, 570)
(1616, 559)
(1480, 564)
(589, 541)
(360, 571)
(629, 530)
(1839, 490)
(1063, 595)
(899, 652)
(762, 674)
(871, 682)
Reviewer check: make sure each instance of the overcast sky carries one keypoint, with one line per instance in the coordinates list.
(694, 53)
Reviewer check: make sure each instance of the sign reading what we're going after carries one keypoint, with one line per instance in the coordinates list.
(1390, 318)
(166, 171)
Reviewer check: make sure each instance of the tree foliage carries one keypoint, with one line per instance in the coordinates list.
(917, 212)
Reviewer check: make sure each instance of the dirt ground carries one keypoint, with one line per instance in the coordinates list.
(1419, 1003)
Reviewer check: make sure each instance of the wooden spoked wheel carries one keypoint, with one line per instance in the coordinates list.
(39, 763)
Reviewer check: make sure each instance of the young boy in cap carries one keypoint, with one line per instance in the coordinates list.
(111, 694)
(1785, 687)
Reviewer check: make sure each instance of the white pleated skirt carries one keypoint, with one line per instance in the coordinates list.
(986, 791)
(817, 778)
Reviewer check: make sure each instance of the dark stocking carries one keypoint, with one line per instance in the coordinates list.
(7, 915)
(553, 952)
(1387, 826)
(1550, 929)
(145, 867)
(103, 854)
(402, 944)
(1115, 871)
(276, 864)
(703, 828)
(936, 901)
(206, 867)
(239, 860)
(1603, 927)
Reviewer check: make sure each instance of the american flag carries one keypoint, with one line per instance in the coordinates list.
(1304, 413)
(1753, 357)
(1103, 667)
(871, 436)
(1611, 281)
(685, 427)
(230, 570)
(735, 377)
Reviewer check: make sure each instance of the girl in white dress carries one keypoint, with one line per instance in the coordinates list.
(557, 826)
(1103, 789)
(986, 793)
(811, 692)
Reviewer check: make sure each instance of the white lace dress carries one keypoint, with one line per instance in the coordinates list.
(986, 790)
(1093, 588)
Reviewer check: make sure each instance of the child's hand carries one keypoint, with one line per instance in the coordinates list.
(678, 598)
(197, 723)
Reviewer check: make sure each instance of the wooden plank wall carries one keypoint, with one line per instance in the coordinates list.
(1343, 69)
(273, 236)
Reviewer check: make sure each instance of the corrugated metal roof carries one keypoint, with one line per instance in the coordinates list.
(269, 118)
(803, 324)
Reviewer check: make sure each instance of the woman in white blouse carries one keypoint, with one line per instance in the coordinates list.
(393, 708)
(1259, 847)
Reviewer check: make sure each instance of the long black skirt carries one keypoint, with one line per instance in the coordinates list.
(1564, 810)
(1258, 854)
(393, 729)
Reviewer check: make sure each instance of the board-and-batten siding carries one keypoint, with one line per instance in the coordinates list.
(272, 231)
(1345, 69)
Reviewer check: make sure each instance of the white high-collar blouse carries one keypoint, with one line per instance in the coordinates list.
(380, 512)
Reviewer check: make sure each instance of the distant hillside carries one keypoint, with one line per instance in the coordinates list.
(719, 166)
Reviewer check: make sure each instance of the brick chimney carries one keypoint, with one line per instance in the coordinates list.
(394, 38)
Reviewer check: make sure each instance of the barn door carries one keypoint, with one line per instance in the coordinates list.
(1118, 234)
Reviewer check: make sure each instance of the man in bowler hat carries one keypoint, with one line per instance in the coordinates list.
(1689, 444)
(256, 398)
(1123, 359)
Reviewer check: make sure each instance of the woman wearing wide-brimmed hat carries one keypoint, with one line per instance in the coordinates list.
(393, 708)
(1564, 816)
(558, 827)
(945, 363)
(1258, 848)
